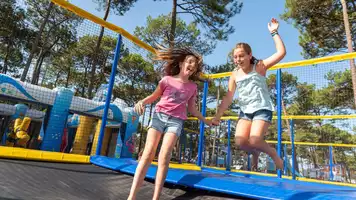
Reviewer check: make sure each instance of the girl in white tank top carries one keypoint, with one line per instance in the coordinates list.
(254, 100)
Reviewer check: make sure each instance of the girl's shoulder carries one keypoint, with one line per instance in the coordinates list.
(235, 72)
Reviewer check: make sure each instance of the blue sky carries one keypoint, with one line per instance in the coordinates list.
(250, 26)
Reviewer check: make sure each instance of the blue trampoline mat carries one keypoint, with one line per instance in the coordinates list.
(233, 183)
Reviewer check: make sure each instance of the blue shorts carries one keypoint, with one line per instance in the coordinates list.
(166, 124)
(265, 115)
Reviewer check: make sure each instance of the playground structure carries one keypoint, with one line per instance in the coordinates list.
(56, 123)
(60, 103)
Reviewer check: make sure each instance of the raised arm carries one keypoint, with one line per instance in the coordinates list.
(281, 50)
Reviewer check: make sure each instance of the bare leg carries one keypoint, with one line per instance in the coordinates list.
(255, 156)
(258, 129)
(242, 135)
(153, 137)
(164, 157)
(243, 129)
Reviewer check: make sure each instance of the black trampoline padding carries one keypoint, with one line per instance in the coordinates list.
(44, 180)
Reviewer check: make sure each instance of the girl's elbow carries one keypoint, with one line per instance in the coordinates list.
(284, 53)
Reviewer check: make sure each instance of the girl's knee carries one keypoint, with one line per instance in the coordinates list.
(241, 142)
(148, 155)
(164, 157)
(255, 141)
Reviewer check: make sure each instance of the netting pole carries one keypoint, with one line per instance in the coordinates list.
(228, 145)
(201, 135)
(331, 176)
(141, 134)
(190, 147)
(291, 124)
(108, 97)
(181, 147)
(279, 116)
(285, 159)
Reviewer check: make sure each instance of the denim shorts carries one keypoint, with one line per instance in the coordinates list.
(265, 115)
(166, 124)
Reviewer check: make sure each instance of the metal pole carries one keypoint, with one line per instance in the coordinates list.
(279, 116)
(285, 160)
(228, 166)
(191, 147)
(293, 148)
(331, 175)
(108, 97)
(201, 136)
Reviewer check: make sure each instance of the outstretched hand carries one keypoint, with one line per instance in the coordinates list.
(208, 122)
(215, 121)
(139, 108)
(273, 25)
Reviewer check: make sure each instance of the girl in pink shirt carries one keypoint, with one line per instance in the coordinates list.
(178, 93)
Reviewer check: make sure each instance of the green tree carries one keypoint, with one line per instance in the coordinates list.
(323, 26)
(71, 67)
(14, 34)
(119, 7)
(58, 35)
(156, 32)
(42, 11)
(137, 79)
(212, 15)
(320, 24)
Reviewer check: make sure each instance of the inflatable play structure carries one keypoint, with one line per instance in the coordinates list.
(16, 120)
(66, 112)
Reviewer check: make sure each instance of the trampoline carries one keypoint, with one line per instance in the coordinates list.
(21, 179)
(234, 183)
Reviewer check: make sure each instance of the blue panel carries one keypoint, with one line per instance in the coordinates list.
(57, 120)
(129, 131)
(243, 185)
(118, 147)
(13, 82)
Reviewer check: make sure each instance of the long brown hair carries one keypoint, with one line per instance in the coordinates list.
(173, 56)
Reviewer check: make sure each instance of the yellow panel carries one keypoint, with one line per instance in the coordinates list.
(325, 182)
(85, 128)
(291, 117)
(105, 141)
(30, 154)
(185, 166)
(345, 56)
(314, 144)
(190, 131)
(297, 178)
(255, 173)
(317, 117)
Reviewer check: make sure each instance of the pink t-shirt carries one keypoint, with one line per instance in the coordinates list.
(175, 97)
